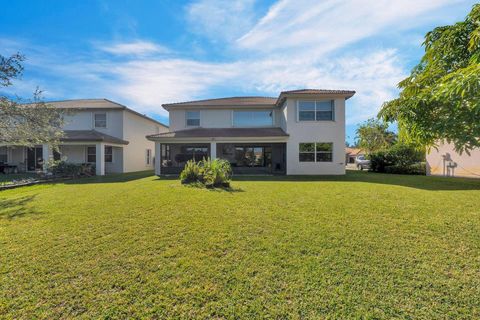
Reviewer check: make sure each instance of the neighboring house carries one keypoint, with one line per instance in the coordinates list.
(352, 153)
(445, 161)
(300, 132)
(97, 131)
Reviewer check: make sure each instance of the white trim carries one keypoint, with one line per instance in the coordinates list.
(199, 118)
(315, 111)
(106, 119)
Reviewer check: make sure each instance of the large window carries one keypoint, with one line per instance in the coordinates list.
(316, 152)
(193, 118)
(100, 120)
(316, 110)
(262, 118)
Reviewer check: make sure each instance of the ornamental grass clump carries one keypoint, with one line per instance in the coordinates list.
(210, 173)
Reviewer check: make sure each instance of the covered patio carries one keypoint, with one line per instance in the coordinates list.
(77, 146)
(249, 150)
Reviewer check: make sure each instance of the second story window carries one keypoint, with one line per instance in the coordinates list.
(100, 120)
(193, 118)
(262, 118)
(316, 110)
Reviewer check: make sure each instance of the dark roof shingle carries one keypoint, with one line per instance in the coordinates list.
(90, 136)
(221, 132)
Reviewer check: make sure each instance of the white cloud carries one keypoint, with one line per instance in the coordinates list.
(138, 47)
(221, 19)
(333, 24)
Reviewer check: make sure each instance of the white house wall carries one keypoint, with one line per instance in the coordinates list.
(315, 131)
(84, 120)
(136, 129)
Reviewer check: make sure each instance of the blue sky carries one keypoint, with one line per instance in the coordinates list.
(145, 53)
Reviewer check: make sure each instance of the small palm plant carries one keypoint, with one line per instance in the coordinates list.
(211, 173)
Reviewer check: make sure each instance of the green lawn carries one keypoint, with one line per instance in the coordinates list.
(135, 246)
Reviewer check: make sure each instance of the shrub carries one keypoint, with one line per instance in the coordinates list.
(211, 173)
(190, 173)
(400, 158)
(66, 169)
(419, 168)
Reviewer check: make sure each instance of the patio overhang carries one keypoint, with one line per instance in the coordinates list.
(90, 137)
(221, 135)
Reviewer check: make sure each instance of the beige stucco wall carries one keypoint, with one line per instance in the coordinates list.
(315, 131)
(136, 129)
(214, 118)
(466, 165)
(84, 120)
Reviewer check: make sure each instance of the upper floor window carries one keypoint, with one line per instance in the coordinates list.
(100, 120)
(193, 118)
(315, 110)
(262, 118)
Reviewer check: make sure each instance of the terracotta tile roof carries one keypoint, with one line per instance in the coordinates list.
(227, 102)
(353, 151)
(221, 132)
(90, 136)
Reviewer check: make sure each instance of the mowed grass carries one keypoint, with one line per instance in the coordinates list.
(364, 245)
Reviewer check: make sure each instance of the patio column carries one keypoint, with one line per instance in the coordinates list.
(47, 155)
(158, 158)
(213, 150)
(100, 159)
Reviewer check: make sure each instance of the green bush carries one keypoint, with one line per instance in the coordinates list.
(66, 169)
(211, 173)
(190, 173)
(419, 168)
(400, 158)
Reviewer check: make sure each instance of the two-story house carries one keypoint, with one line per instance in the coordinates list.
(299, 132)
(97, 131)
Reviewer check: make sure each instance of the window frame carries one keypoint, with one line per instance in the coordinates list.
(107, 154)
(186, 118)
(315, 152)
(272, 124)
(332, 104)
(95, 120)
(300, 153)
(87, 154)
(148, 157)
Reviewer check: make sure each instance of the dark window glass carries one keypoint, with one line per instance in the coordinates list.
(252, 118)
(324, 110)
(307, 152)
(324, 151)
(108, 154)
(306, 157)
(193, 118)
(306, 110)
(91, 154)
(100, 120)
(56, 155)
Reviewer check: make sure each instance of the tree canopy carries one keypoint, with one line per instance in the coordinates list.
(440, 100)
(373, 135)
(21, 123)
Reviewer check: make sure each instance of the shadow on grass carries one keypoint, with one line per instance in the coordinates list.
(112, 178)
(16, 208)
(411, 181)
